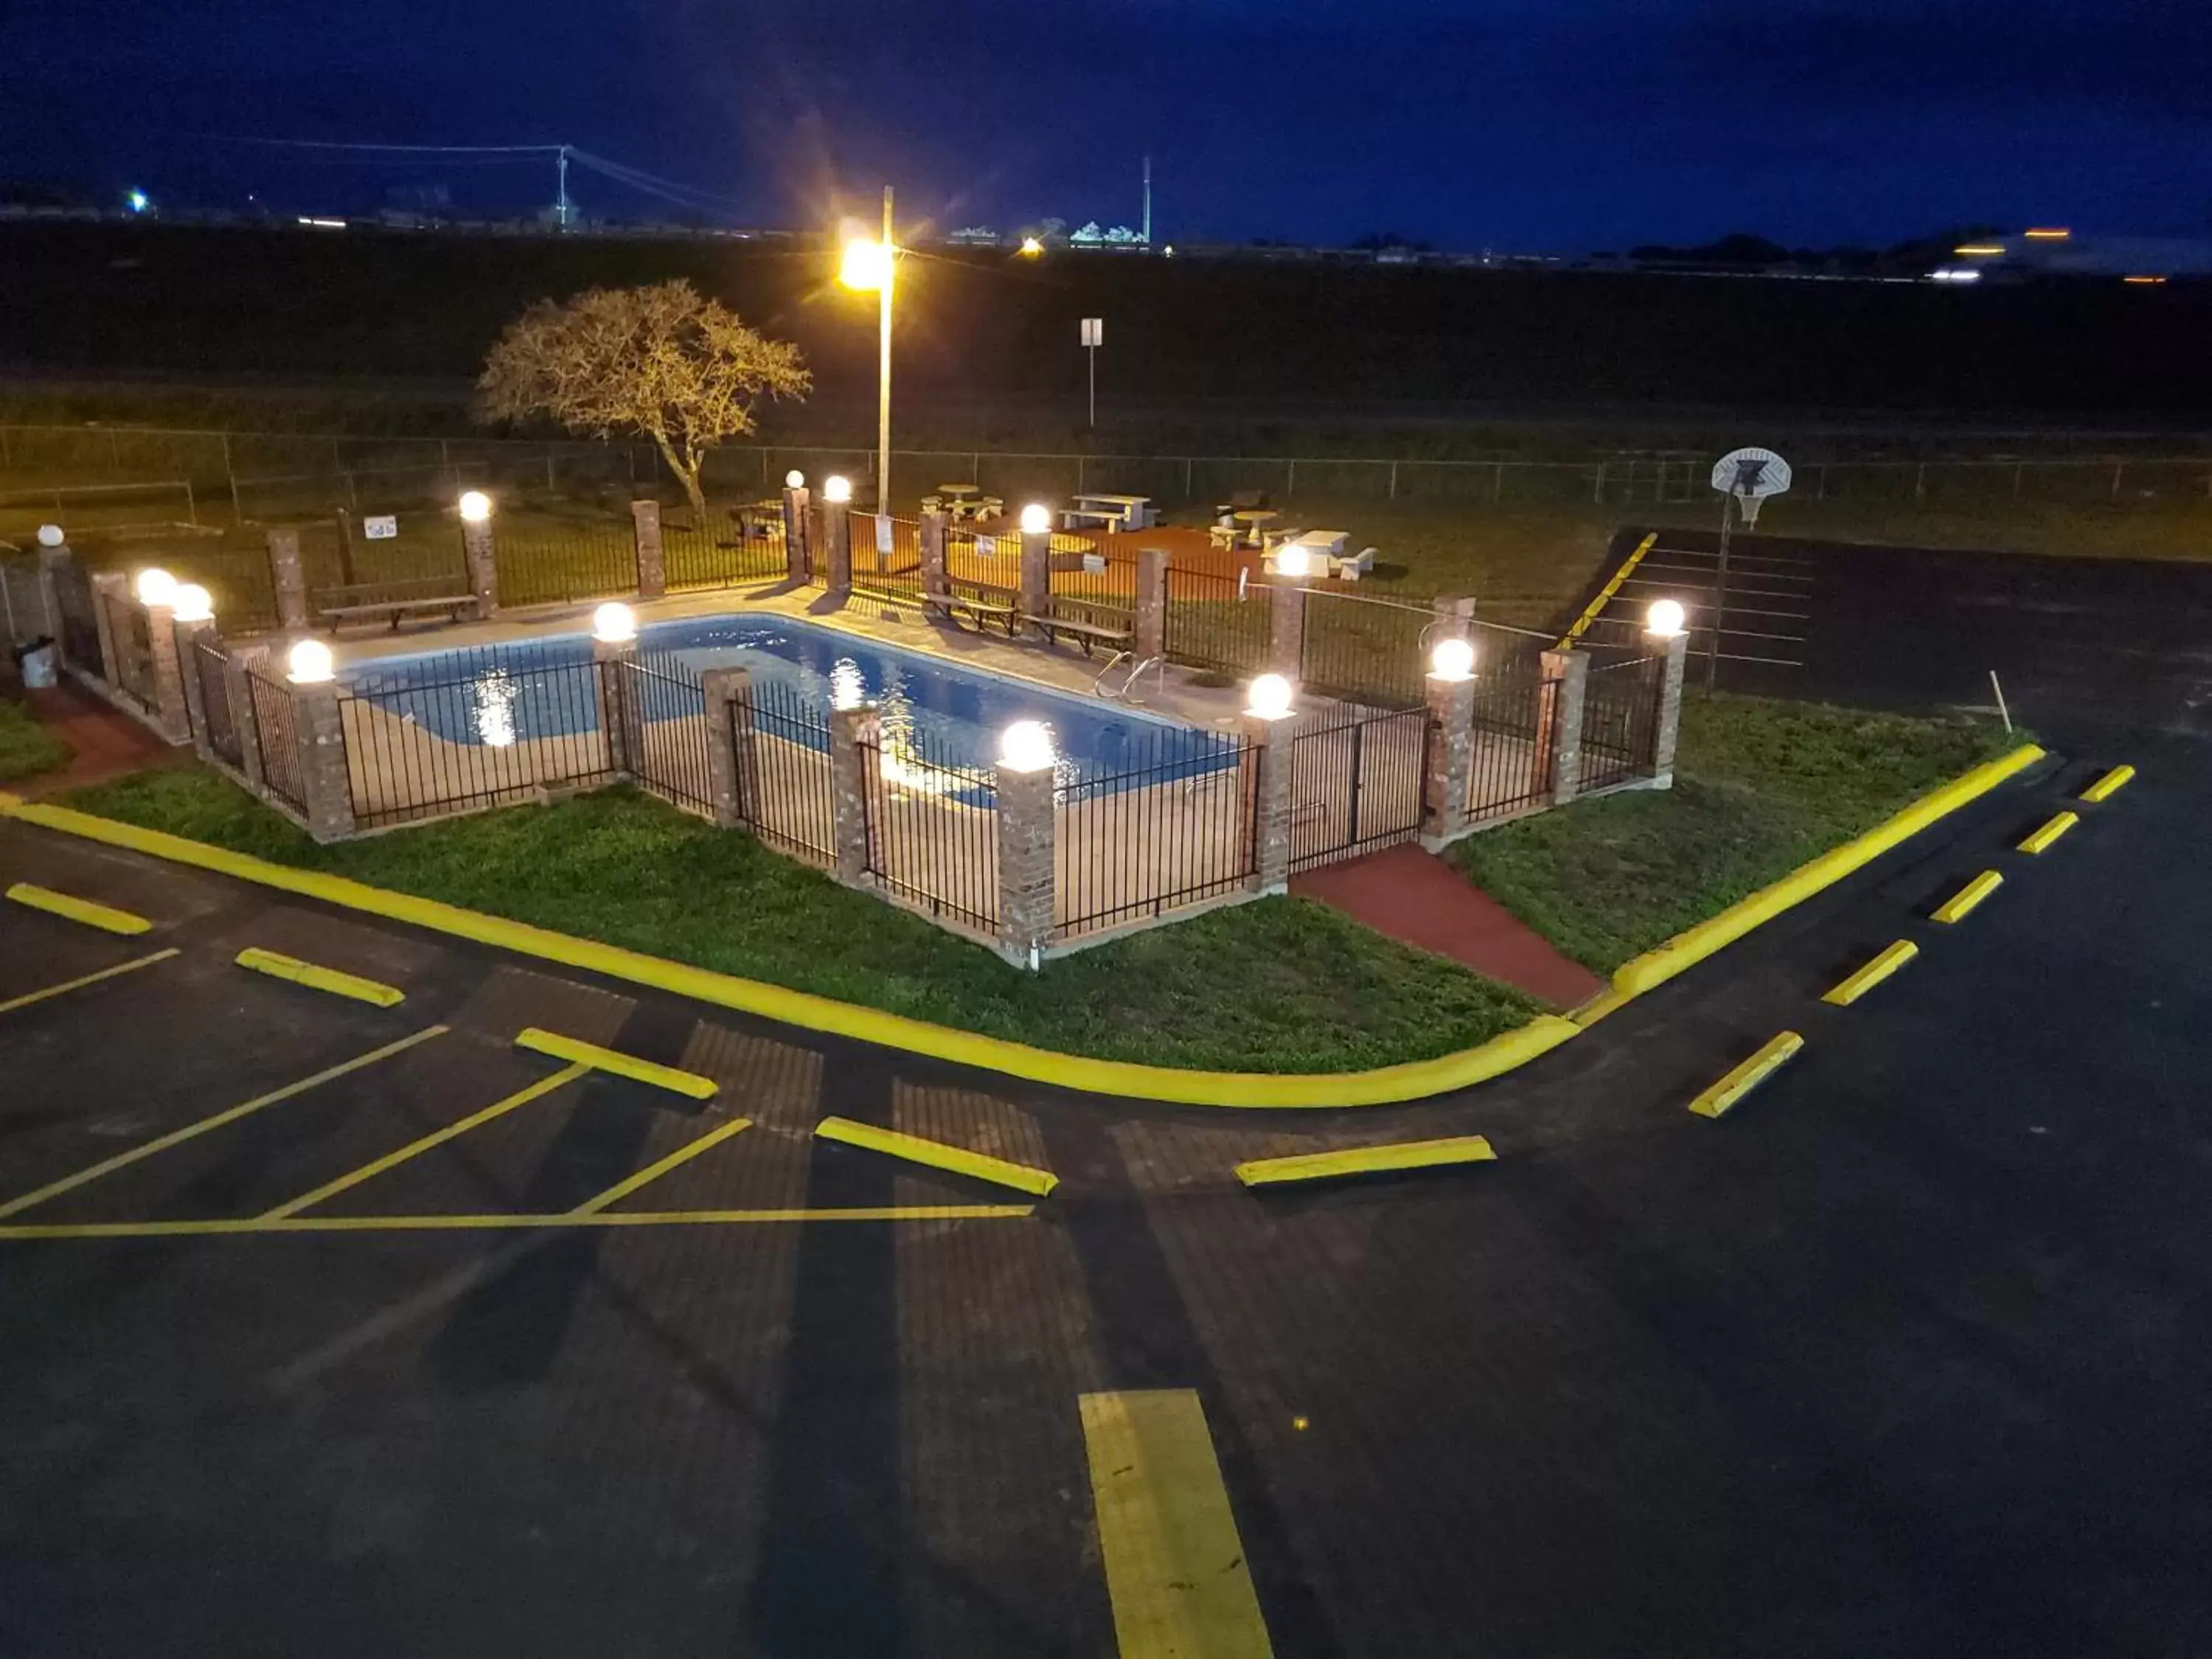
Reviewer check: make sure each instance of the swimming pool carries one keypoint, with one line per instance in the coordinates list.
(504, 695)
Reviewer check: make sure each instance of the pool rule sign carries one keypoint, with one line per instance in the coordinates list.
(1094, 333)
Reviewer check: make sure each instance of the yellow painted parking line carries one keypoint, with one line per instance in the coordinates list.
(1961, 903)
(1888, 961)
(278, 966)
(106, 917)
(1175, 1566)
(249, 1226)
(653, 1172)
(545, 1085)
(178, 1137)
(2050, 832)
(1748, 1076)
(2111, 784)
(937, 1155)
(579, 1053)
(1366, 1160)
(83, 980)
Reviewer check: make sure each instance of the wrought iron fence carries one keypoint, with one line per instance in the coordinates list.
(665, 734)
(1620, 721)
(212, 663)
(886, 556)
(1216, 621)
(1365, 650)
(130, 629)
(932, 830)
(1356, 784)
(496, 726)
(558, 561)
(747, 547)
(80, 627)
(277, 737)
(1510, 768)
(1172, 826)
(785, 792)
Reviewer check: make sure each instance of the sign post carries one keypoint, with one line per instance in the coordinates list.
(1094, 330)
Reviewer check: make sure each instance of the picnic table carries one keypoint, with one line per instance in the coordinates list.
(1254, 521)
(1109, 511)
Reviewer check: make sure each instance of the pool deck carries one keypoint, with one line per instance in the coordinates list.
(1062, 669)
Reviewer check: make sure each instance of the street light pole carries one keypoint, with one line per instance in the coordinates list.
(884, 408)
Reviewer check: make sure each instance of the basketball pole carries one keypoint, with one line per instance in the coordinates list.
(1720, 591)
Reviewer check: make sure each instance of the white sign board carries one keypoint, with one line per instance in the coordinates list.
(1094, 330)
(883, 532)
(380, 527)
(1751, 471)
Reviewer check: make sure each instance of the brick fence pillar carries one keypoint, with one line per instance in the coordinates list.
(1448, 779)
(645, 534)
(1151, 602)
(619, 715)
(323, 775)
(936, 539)
(834, 523)
(1669, 733)
(798, 521)
(732, 765)
(1026, 861)
(849, 728)
(1559, 720)
(171, 713)
(480, 552)
(1273, 800)
(1286, 629)
(1035, 580)
(289, 578)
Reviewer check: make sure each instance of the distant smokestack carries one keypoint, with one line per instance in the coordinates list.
(1148, 201)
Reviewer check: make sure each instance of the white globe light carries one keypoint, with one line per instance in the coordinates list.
(1666, 618)
(614, 622)
(1269, 697)
(475, 507)
(1026, 746)
(794, 479)
(1037, 518)
(154, 586)
(310, 662)
(1452, 659)
(50, 535)
(836, 488)
(192, 604)
(1293, 561)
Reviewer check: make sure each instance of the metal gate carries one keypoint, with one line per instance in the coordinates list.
(1355, 785)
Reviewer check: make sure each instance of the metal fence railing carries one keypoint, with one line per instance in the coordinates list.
(664, 729)
(276, 735)
(1620, 721)
(1173, 825)
(1364, 650)
(129, 629)
(74, 597)
(1216, 621)
(728, 547)
(552, 560)
(886, 557)
(932, 830)
(1356, 784)
(493, 728)
(1511, 768)
(785, 792)
(211, 664)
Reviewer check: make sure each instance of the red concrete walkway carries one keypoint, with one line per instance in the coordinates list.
(107, 743)
(1416, 897)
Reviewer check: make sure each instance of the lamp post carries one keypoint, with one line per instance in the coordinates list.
(869, 265)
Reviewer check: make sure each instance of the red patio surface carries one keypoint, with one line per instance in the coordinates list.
(1418, 899)
(107, 743)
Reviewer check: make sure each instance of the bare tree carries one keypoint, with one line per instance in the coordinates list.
(661, 361)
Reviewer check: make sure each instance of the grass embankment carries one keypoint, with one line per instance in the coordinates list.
(1278, 985)
(1760, 787)
(27, 748)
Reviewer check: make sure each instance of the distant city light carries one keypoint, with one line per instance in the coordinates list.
(1031, 247)
(2049, 234)
(139, 201)
(1953, 275)
(1978, 249)
(325, 224)
(2143, 281)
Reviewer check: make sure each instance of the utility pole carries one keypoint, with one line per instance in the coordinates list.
(884, 411)
(561, 207)
(1148, 202)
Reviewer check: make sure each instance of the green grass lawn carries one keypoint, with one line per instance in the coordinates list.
(1278, 985)
(1760, 787)
(26, 747)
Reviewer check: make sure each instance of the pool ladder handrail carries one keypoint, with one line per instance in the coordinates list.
(1157, 663)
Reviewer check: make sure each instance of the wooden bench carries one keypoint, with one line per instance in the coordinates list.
(1120, 636)
(981, 612)
(454, 606)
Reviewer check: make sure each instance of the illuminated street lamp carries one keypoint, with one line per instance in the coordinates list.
(475, 507)
(838, 489)
(869, 265)
(1665, 620)
(1268, 697)
(310, 662)
(154, 586)
(1453, 658)
(794, 479)
(191, 603)
(1031, 247)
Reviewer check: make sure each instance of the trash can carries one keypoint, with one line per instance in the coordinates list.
(35, 663)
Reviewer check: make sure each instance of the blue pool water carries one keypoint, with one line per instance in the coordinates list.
(507, 694)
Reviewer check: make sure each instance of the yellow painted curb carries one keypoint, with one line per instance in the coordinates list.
(579, 1053)
(105, 917)
(1628, 569)
(1961, 903)
(1366, 1160)
(2111, 784)
(1692, 945)
(1891, 958)
(278, 966)
(1748, 1076)
(2050, 832)
(937, 1155)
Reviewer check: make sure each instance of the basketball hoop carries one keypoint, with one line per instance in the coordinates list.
(1748, 505)
(1751, 475)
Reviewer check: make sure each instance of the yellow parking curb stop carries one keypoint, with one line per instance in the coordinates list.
(580, 1053)
(278, 966)
(2050, 832)
(1748, 1076)
(1890, 959)
(105, 917)
(2111, 784)
(1366, 1160)
(1961, 903)
(913, 1148)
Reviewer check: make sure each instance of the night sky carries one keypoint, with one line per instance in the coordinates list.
(1582, 124)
